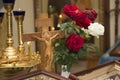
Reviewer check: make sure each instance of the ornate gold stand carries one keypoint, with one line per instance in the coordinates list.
(16, 58)
(10, 52)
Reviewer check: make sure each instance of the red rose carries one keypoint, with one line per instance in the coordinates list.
(92, 15)
(83, 21)
(71, 10)
(74, 42)
(79, 16)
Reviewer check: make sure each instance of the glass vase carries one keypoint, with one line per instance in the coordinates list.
(65, 71)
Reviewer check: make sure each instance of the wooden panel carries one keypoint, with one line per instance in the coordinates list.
(92, 62)
(44, 22)
(107, 24)
(41, 75)
(116, 51)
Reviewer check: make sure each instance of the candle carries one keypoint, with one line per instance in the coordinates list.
(19, 12)
(50, 9)
(8, 1)
(60, 18)
(29, 46)
(52, 28)
(1, 14)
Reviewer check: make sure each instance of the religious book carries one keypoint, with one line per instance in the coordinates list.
(107, 71)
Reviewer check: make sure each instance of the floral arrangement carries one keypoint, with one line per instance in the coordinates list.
(78, 33)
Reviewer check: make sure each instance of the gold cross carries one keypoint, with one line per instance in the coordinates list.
(45, 37)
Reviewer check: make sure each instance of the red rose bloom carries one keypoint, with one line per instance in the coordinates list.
(79, 16)
(92, 15)
(83, 21)
(74, 42)
(70, 10)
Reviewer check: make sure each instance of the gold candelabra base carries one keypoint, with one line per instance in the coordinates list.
(9, 53)
(20, 61)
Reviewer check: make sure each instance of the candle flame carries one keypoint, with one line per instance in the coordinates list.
(60, 16)
(50, 6)
(52, 28)
(29, 42)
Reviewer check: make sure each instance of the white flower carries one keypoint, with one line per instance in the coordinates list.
(96, 29)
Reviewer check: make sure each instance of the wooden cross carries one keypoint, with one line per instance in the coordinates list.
(46, 37)
(43, 23)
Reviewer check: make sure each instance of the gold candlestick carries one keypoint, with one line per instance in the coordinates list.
(10, 51)
(19, 17)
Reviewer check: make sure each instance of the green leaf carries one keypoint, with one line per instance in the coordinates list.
(82, 52)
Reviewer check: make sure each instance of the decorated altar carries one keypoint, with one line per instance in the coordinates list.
(15, 60)
(53, 46)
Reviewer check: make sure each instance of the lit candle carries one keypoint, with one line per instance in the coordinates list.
(29, 46)
(60, 18)
(50, 9)
(9, 1)
(19, 12)
(52, 28)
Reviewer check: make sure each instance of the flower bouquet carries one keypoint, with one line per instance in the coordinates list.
(78, 33)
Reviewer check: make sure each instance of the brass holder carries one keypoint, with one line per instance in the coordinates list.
(19, 18)
(13, 58)
(10, 52)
